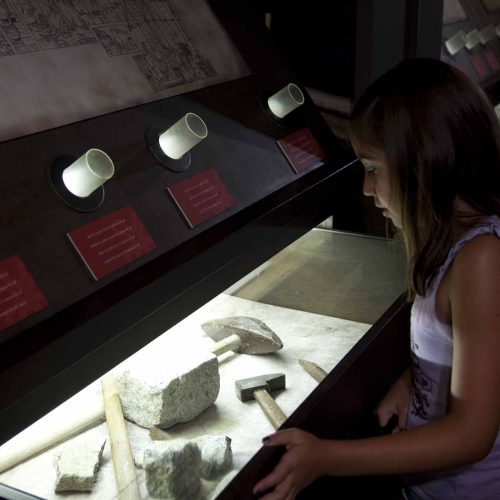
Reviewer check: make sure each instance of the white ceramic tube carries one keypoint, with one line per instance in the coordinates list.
(87, 173)
(183, 135)
(285, 100)
(455, 43)
(472, 39)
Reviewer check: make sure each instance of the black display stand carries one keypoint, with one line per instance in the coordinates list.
(88, 204)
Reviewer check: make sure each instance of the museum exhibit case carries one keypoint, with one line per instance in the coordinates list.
(150, 185)
(344, 45)
(325, 296)
(470, 41)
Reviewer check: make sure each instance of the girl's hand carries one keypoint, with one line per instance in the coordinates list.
(395, 402)
(298, 467)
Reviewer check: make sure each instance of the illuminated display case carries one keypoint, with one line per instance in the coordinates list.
(81, 305)
(328, 296)
(471, 41)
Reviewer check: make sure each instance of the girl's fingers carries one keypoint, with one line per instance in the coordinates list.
(285, 437)
(283, 491)
(276, 477)
(384, 417)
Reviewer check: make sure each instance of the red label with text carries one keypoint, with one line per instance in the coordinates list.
(480, 66)
(201, 197)
(302, 150)
(492, 60)
(19, 294)
(111, 242)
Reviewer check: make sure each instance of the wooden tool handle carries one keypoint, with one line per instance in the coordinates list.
(228, 344)
(123, 464)
(40, 438)
(270, 407)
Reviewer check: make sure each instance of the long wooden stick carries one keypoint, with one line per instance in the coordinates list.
(42, 438)
(123, 463)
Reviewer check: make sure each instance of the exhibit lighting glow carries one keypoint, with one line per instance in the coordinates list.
(455, 43)
(183, 135)
(472, 39)
(285, 100)
(88, 172)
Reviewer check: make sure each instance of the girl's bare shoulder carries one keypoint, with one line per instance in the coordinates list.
(477, 265)
(480, 250)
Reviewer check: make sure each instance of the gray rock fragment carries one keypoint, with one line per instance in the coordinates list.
(169, 390)
(256, 337)
(139, 458)
(153, 446)
(216, 455)
(77, 464)
(173, 469)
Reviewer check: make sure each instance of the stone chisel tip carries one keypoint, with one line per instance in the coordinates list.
(316, 372)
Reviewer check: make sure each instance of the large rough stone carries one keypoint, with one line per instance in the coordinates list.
(173, 469)
(216, 455)
(152, 446)
(169, 390)
(77, 464)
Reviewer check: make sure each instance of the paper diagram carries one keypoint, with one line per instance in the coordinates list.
(152, 30)
(115, 41)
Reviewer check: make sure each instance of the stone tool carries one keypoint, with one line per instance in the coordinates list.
(241, 334)
(259, 388)
(316, 372)
(152, 394)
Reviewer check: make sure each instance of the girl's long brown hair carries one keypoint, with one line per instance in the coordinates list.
(441, 138)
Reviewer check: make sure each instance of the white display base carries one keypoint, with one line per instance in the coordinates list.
(321, 339)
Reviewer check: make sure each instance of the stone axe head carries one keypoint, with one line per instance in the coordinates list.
(259, 388)
(241, 334)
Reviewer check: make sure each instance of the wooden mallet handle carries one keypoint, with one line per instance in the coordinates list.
(230, 343)
(269, 406)
(41, 437)
(123, 463)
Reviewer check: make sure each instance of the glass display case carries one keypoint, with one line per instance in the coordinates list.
(321, 295)
(470, 41)
(131, 273)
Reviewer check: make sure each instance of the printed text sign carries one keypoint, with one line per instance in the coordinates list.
(480, 66)
(201, 197)
(111, 242)
(302, 150)
(19, 295)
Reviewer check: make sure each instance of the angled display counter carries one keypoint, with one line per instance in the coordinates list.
(87, 284)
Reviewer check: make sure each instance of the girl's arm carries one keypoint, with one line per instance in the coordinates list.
(464, 435)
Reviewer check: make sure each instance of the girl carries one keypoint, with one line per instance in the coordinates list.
(430, 145)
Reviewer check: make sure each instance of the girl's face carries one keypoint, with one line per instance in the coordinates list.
(377, 181)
